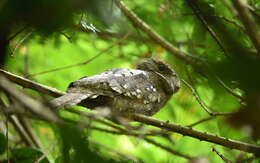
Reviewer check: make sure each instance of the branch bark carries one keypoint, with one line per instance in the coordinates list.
(187, 131)
(33, 105)
(203, 136)
(31, 84)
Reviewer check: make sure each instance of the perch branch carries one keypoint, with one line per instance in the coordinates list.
(31, 84)
(203, 136)
(187, 131)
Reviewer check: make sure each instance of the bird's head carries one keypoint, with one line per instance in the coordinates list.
(161, 69)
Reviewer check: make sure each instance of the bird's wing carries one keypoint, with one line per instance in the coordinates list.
(69, 99)
(132, 83)
(135, 84)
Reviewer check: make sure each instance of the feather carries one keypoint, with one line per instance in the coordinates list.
(69, 99)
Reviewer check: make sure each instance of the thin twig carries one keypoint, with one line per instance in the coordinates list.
(19, 43)
(51, 148)
(228, 20)
(195, 94)
(16, 33)
(81, 63)
(221, 156)
(107, 35)
(96, 117)
(168, 149)
(196, 10)
(230, 90)
(200, 101)
(125, 132)
(201, 121)
(23, 123)
(7, 131)
(202, 104)
(13, 120)
(131, 133)
(138, 135)
(28, 129)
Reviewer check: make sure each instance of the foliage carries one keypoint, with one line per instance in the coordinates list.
(226, 80)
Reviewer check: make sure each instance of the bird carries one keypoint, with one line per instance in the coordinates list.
(143, 90)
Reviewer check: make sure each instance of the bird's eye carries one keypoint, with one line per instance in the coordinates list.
(161, 67)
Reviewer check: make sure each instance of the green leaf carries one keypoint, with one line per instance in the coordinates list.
(3, 143)
(27, 155)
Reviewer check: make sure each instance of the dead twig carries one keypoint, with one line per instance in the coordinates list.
(221, 156)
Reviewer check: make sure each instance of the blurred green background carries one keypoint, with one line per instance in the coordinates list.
(176, 22)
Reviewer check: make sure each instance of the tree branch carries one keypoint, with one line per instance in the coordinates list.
(33, 105)
(187, 131)
(203, 136)
(124, 131)
(13, 120)
(31, 84)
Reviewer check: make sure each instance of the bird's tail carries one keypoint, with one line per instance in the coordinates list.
(68, 99)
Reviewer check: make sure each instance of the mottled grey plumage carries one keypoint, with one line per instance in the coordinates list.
(144, 90)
